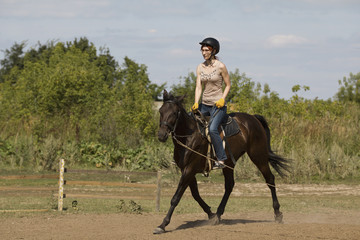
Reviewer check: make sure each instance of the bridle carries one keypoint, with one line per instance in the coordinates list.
(171, 127)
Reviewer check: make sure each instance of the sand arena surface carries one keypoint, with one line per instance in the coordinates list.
(250, 225)
(318, 224)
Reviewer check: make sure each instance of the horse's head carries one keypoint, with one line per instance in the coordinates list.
(169, 115)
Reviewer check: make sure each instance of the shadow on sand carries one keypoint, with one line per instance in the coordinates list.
(201, 223)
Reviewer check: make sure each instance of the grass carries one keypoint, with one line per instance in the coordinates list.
(41, 194)
(308, 204)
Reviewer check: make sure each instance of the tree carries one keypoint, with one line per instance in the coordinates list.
(13, 58)
(72, 85)
(104, 60)
(135, 102)
(349, 90)
(68, 85)
(186, 87)
(156, 91)
(241, 87)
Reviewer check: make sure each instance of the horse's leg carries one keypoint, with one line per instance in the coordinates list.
(229, 185)
(261, 161)
(183, 184)
(195, 193)
(270, 181)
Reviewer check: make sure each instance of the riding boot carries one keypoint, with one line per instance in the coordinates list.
(218, 165)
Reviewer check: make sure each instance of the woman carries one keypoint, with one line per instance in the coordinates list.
(211, 74)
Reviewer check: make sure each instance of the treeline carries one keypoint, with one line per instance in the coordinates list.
(74, 101)
(72, 85)
(71, 95)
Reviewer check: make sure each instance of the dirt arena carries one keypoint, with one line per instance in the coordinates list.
(252, 225)
(319, 224)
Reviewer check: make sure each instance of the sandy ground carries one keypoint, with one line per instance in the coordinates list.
(330, 224)
(252, 225)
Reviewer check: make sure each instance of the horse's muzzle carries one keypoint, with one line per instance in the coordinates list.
(163, 135)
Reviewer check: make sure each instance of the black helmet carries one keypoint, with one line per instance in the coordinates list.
(212, 42)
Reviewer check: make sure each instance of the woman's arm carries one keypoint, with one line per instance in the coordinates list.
(224, 73)
(198, 88)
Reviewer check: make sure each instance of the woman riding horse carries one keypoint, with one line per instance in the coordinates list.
(190, 150)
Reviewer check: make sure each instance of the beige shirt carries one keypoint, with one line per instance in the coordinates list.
(212, 81)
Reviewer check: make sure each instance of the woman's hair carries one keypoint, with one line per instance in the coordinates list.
(210, 48)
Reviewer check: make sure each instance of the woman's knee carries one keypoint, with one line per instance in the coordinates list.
(213, 131)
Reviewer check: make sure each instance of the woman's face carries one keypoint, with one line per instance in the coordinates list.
(206, 52)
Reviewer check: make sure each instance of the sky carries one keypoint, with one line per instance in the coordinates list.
(282, 43)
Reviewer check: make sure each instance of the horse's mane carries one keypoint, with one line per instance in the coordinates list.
(169, 97)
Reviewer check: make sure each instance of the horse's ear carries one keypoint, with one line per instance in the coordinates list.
(165, 95)
(181, 98)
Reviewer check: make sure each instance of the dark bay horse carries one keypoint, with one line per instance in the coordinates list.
(254, 139)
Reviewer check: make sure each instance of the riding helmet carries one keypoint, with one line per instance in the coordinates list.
(212, 42)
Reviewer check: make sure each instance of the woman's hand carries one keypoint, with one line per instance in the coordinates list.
(195, 107)
(220, 103)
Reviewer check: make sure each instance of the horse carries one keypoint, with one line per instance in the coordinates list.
(190, 149)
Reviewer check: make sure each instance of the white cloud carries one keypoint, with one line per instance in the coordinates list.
(152, 30)
(279, 41)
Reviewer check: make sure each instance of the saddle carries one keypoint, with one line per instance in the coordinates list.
(229, 128)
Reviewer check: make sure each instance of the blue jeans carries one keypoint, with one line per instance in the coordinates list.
(213, 128)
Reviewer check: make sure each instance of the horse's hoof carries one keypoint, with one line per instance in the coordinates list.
(158, 230)
(215, 220)
(211, 215)
(279, 218)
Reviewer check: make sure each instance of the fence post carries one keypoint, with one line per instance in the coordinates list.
(61, 184)
(158, 193)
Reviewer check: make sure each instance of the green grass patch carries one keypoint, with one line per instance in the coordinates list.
(41, 194)
(303, 204)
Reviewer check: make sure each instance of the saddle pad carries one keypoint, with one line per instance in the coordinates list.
(230, 127)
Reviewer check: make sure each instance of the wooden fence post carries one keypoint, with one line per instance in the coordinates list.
(61, 184)
(158, 193)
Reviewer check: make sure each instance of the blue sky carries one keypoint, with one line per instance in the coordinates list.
(279, 42)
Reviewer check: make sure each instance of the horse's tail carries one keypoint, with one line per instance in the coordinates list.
(277, 162)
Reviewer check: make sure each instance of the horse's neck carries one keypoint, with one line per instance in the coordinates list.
(186, 125)
(184, 135)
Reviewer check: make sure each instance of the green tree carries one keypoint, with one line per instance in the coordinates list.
(242, 87)
(135, 102)
(69, 86)
(156, 90)
(13, 59)
(186, 87)
(104, 60)
(349, 90)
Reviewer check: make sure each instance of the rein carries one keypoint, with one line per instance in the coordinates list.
(185, 146)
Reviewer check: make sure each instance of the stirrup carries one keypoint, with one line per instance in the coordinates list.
(218, 165)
